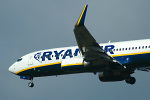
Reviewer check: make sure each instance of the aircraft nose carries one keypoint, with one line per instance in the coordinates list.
(12, 69)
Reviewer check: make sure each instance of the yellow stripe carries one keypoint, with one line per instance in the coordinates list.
(37, 67)
(130, 54)
(81, 16)
(71, 64)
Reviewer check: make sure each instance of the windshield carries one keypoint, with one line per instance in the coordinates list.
(19, 59)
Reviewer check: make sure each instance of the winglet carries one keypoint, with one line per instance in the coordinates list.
(81, 19)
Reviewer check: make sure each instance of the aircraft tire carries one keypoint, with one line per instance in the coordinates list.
(130, 80)
(30, 84)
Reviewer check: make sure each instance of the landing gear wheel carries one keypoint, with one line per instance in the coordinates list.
(30, 84)
(130, 80)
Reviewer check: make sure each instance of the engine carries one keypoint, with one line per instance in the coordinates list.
(74, 65)
(111, 76)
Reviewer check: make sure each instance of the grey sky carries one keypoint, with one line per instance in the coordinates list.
(30, 25)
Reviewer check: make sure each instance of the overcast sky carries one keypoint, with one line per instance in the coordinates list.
(31, 25)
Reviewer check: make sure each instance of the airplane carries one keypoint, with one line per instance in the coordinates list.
(113, 61)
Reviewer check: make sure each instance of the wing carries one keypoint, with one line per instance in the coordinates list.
(89, 48)
(146, 69)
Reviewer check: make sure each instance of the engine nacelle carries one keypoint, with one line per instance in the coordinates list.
(74, 65)
(109, 77)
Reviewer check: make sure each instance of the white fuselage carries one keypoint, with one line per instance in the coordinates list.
(48, 62)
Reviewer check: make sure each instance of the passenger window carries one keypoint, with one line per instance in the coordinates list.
(142, 47)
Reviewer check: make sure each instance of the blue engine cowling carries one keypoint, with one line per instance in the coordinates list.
(25, 77)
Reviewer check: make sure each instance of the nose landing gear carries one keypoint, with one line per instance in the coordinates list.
(31, 84)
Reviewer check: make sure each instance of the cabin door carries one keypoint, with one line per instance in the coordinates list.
(30, 60)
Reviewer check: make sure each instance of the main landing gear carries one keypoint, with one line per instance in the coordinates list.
(130, 80)
(31, 84)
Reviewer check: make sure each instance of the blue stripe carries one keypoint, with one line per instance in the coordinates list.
(140, 60)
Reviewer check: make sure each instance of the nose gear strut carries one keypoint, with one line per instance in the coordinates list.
(31, 84)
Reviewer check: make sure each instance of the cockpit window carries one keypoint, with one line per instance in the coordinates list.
(19, 59)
